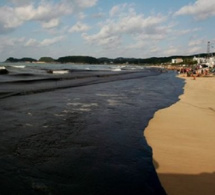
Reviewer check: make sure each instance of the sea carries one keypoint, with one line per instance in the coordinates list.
(79, 129)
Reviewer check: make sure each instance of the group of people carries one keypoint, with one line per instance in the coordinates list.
(194, 72)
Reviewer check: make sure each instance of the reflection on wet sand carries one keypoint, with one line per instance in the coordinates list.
(178, 184)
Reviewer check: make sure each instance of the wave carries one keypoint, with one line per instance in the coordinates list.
(24, 83)
(19, 66)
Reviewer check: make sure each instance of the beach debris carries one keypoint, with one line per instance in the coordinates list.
(3, 70)
(58, 71)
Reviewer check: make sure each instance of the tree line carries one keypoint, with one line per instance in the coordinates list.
(104, 60)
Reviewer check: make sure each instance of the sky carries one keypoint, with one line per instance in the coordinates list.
(111, 28)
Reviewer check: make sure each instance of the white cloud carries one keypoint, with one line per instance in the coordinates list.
(6, 41)
(194, 50)
(22, 47)
(48, 42)
(155, 49)
(98, 15)
(79, 27)
(128, 24)
(9, 44)
(20, 2)
(51, 24)
(8, 19)
(12, 17)
(85, 3)
(123, 30)
(42, 12)
(47, 13)
(196, 42)
(43, 43)
(81, 16)
(122, 10)
(31, 43)
(201, 9)
(196, 45)
(171, 51)
(114, 10)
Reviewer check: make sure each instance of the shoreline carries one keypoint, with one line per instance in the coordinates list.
(182, 139)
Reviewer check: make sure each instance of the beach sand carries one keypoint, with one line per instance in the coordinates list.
(182, 137)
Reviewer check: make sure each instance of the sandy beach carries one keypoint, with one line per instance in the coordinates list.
(182, 139)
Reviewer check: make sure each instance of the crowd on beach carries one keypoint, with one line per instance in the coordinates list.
(197, 71)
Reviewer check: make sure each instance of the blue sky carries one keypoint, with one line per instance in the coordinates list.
(99, 28)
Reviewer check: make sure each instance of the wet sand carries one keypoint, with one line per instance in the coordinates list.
(182, 139)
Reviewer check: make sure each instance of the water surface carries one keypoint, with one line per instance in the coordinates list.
(81, 133)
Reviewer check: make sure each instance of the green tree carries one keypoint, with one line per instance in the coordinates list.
(46, 59)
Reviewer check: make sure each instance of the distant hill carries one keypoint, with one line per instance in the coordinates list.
(78, 59)
(21, 60)
(104, 60)
(47, 59)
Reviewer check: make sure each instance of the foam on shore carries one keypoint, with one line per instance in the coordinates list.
(182, 139)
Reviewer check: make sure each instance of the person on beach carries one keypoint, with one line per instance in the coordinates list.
(194, 77)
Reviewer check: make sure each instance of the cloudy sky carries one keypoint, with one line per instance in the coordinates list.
(105, 28)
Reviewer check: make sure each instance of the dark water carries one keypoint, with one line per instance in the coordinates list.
(82, 135)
